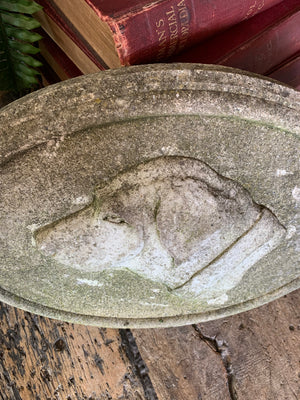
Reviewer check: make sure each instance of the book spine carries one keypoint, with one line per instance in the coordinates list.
(256, 44)
(57, 59)
(288, 72)
(162, 29)
(264, 52)
(63, 23)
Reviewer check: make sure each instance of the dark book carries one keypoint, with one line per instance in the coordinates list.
(59, 62)
(257, 44)
(125, 32)
(79, 55)
(288, 71)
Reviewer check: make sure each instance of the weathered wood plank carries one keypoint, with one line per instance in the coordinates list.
(46, 359)
(181, 365)
(253, 355)
(264, 349)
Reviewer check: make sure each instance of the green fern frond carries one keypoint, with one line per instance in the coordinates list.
(17, 66)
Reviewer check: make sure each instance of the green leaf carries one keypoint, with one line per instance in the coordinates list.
(19, 20)
(23, 47)
(27, 80)
(22, 68)
(22, 34)
(7, 79)
(18, 56)
(21, 6)
(16, 44)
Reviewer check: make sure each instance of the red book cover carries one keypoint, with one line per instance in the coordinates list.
(64, 67)
(288, 72)
(62, 21)
(150, 31)
(257, 44)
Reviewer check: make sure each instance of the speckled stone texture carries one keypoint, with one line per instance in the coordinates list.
(150, 196)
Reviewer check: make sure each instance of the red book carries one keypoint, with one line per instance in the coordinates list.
(79, 55)
(55, 23)
(57, 59)
(125, 32)
(288, 72)
(257, 44)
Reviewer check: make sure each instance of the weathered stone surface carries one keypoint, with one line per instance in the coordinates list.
(152, 195)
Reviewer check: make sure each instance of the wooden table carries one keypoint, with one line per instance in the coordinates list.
(254, 355)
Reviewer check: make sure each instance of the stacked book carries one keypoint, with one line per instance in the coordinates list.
(85, 36)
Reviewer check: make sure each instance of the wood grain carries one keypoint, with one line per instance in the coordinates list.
(46, 359)
(264, 349)
(253, 355)
(182, 365)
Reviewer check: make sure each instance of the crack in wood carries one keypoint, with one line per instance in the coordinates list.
(220, 347)
(138, 364)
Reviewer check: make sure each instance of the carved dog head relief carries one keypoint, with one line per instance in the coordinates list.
(172, 220)
(150, 196)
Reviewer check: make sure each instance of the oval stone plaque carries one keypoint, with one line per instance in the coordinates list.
(150, 196)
